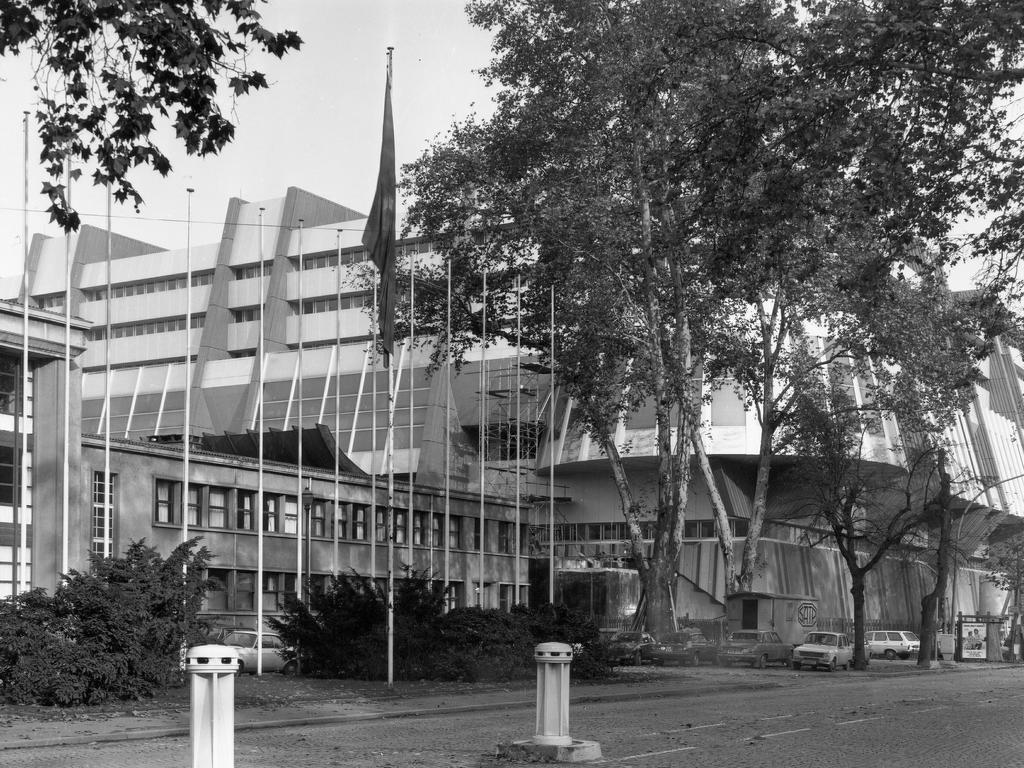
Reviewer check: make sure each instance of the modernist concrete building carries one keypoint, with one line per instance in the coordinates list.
(332, 392)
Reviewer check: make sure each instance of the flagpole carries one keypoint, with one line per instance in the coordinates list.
(483, 438)
(551, 463)
(519, 390)
(23, 464)
(412, 389)
(187, 423)
(107, 543)
(299, 511)
(66, 464)
(447, 437)
(337, 405)
(389, 448)
(259, 512)
(373, 448)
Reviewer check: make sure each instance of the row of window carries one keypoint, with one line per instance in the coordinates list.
(231, 508)
(151, 286)
(166, 325)
(250, 271)
(332, 303)
(692, 529)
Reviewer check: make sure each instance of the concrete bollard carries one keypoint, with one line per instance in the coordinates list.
(553, 661)
(212, 718)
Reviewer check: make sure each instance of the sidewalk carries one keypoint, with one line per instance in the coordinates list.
(277, 701)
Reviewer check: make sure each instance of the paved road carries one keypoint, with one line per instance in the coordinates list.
(820, 721)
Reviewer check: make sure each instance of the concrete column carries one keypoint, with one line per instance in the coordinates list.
(553, 661)
(212, 717)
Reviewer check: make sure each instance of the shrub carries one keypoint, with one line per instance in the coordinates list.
(116, 632)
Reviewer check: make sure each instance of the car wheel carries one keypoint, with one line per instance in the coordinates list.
(637, 661)
(762, 661)
(832, 664)
(241, 667)
(796, 665)
(846, 667)
(890, 654)
(696, 659)
(290, 668)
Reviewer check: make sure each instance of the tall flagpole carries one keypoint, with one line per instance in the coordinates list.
(373, 448)
(519, 416)
(390, 450)
(337, 406)
(412, 389)
(107, 543)
(483, 440)
(447, 436)
(23, 582)
(300, 512)
(187, 421)
(66, 463)
(259, 512)
(551, 463)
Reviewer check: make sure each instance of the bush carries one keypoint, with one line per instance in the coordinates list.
(116, 632)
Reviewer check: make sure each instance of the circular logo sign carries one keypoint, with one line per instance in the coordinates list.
(807, 614)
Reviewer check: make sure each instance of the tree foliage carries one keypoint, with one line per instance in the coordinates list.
(714, 188)
(108, 72)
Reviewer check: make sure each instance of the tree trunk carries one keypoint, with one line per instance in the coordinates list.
(930, 602)
(725, 541)
(860, 660)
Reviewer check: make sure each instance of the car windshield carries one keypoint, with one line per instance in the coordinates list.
(911, 636)
(627, 637)
(240, 639)
(821, 638)
(676, 637)
(743, 636)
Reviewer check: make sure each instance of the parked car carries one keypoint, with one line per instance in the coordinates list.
(630, 647)
(687, 646)
(755, 647)
(827, 650)
(891, 643)
(273, 647)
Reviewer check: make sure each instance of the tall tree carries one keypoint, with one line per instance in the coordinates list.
(107, 73)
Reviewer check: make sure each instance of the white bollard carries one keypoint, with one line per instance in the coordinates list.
(212, 721)
(553, 661)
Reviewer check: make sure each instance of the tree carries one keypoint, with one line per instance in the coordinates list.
(1004, 561)
(693, 178)
(108, 72)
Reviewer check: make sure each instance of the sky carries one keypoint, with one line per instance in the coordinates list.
(317, 127)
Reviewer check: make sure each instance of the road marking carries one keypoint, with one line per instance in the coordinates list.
(775, 717)
(655, 754)
(688, 728)
(782, 733)
(862, 720)
(932, 709)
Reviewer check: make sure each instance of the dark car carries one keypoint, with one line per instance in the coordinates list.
(755, 647)
(687, 646)
(629, 647)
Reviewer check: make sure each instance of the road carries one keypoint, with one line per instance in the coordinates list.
(816, 719)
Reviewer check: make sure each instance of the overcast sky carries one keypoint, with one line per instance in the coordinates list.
(317, 127)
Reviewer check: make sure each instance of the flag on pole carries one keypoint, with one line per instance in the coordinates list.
(379, 236)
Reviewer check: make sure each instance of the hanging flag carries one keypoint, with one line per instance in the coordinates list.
(379, 236)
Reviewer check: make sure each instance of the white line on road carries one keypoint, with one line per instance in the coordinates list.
(783, 733)
(862, 720)
(688, 728)
(775, 717)
(655, 754)
(932, 709)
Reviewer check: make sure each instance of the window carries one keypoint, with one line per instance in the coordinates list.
(193, 505)
(506, 538)
(316, 519)
(102, 524)
(358, 522)
(270, 523)
(245, 591)
(506, 596)
(381, 528)
(247, 315)
(276, 588)
(419, 529)
(217, 508)
(244, 512)
(291, 514)
(476, 533)
(341, 520)
(217, 596)
(166, 491)
(437, 530)
(400, 523)
(455, 532)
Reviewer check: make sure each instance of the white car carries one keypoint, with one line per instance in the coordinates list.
(891, 643)
(245, 641)
(826, 650)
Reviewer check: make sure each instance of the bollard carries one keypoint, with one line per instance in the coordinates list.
(212, 719)
(553, 661)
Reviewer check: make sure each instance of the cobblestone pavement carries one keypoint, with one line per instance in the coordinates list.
(934, 720)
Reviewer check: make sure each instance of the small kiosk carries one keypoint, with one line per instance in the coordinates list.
(791, 616)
